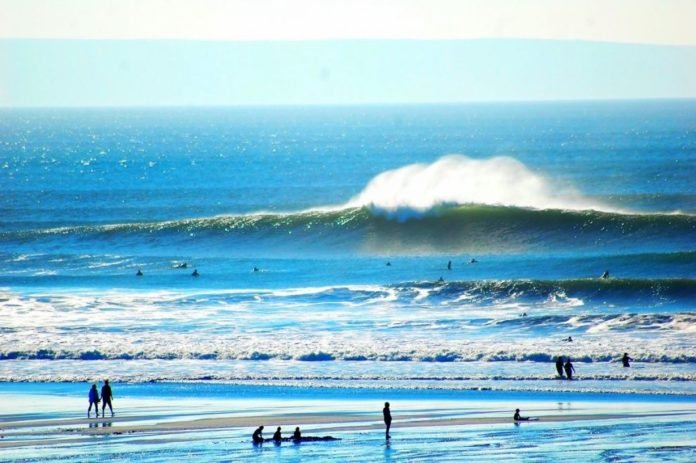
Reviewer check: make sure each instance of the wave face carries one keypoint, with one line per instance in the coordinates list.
(447, 229)
(460, 180)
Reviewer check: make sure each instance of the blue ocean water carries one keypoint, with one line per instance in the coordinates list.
(323, 235)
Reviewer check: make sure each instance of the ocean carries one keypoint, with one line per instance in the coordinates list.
(427, 247)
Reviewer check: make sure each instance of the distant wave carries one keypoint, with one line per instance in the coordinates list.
(468, 228)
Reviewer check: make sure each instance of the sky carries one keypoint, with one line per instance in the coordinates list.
(246, 52)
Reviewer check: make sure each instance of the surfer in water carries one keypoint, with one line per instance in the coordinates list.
(626, 360)
(473, 261)
(559, 366)
(449, 265)
(277, 438)
(195, 273)
(139, 273)
(297, 435)
(605, 275)
(182, 265)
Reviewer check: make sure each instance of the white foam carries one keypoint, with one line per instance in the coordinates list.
(458, 180)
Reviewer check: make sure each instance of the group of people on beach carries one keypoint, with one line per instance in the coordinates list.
(106, 398)
(257, 437)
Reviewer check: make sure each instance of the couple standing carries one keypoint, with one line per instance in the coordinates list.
(106, 398)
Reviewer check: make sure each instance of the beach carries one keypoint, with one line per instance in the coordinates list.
(158, 422)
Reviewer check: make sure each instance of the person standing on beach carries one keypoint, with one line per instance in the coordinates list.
(93, 399)
(626, 360)
(387, 418)
(559, 365)
(107, 397)
(569, 369)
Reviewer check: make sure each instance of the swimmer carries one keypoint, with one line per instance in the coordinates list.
(473, 260)
(139, 273)
(195, 273)
(388, 264)
(256, 269)
(605, 275)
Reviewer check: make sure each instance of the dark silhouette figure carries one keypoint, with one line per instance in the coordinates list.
(388, 264)
(441, 280)
(569, 369)
(93, 399)
(568, 339)
(182, 265)
(559, 365)
(605, 275)
(387, 418)
(257, 437)
(473, 261)
(139, 273)
(276, 435)
(195, 273)
(449, 265)
(297, 435)
(517, 416)
(256, 269)
(107, 397)
(626, 360)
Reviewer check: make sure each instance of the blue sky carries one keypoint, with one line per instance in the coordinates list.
(243, 52)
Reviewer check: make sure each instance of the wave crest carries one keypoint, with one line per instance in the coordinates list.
(459, 180)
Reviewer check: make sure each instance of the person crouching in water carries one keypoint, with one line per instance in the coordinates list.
(93, 400)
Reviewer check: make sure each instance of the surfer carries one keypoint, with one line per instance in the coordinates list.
(257, 437)
(559, 365)
(277, 438)
(182, 265)
(107, 397)
(388, 264)
(626, 360)
(441, 280)
(139, 273)
(517, 416)
(297, 435)
(568, 339)
(93, 399)
(195, 273)
(569, 369)
(605, 275)
(256, 269)
(386, 412)
(473, 261)
(449, 265)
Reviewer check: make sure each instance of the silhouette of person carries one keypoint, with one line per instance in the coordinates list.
(257, 437)
(388, 264)
(387, 418)
(559, 365)
(107, 397)
(182, 265)
(568, 339)
(139, 273)
(297, 435)
(93, 399)
(195, 273)
(441, 280)
(276, 435)
(256, 269)
(569, 369)
(605, 275)
(517, 416)
(473, 260)
(449, 265)
(626, 359)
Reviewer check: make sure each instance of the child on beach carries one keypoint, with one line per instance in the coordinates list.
(93, 399)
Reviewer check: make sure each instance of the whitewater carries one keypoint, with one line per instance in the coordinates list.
(352, 247)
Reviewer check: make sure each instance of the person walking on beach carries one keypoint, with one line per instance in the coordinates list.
(93, 399)
(107, 397)
(626, 360)
(569, 369)
(559, 366)
(387, 418)
(257, 437)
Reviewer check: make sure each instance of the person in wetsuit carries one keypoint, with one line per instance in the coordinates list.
(107, 397)
(386, 412)
(626, 360)
(569, 369)
(257, 437)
